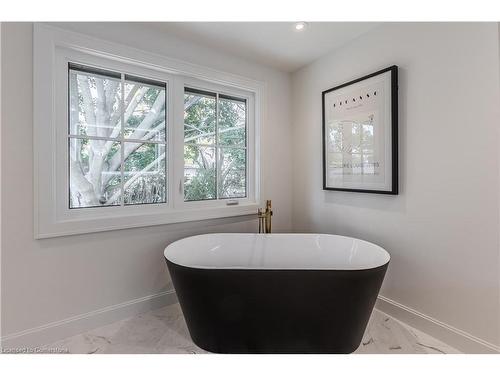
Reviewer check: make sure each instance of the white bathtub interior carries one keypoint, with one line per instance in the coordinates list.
(276, 251)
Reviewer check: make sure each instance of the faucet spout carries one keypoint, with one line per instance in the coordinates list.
(265, 218)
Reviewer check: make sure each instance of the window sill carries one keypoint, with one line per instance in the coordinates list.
(117, 220)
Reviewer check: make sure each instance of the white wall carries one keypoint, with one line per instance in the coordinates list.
(46, 282)
(443, 229)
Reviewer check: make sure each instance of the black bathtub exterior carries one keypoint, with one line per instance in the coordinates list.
(276, 311)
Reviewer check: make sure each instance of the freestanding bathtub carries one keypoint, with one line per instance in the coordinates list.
(276, 293)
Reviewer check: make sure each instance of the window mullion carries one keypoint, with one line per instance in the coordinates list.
(122, 143)
(217, 151)
(247, 129)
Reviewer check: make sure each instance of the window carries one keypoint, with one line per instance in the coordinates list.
(117, 139)
(358, 156)
(124, 138)
(214, 146)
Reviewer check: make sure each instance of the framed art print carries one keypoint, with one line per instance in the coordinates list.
(360, 134)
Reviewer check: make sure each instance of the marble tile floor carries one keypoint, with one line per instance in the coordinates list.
(164, 331)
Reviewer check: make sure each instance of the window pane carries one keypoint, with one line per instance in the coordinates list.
(199, 118)
(94, 173)
(145, 111)
(368, 141)
(232, 122)
(369, 164)
(199, 173)
(144, 173)
(233, 173)
(335, 163)
(356, 137)
(355, 165)
(335, 137)
(94, 102)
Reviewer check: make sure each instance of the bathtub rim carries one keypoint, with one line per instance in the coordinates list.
(253, 268)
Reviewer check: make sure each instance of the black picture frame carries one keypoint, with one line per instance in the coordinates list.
(394, 132)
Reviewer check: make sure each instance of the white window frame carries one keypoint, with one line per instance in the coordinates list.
(54, 48)
(250, 170)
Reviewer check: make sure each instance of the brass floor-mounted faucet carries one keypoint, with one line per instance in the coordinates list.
(265, 218)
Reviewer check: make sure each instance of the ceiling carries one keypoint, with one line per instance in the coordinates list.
(276, 44)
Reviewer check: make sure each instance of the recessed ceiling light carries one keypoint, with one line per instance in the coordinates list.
(300, 26)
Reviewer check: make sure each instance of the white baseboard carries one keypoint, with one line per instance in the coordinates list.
(49, 333)
(461, 340)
